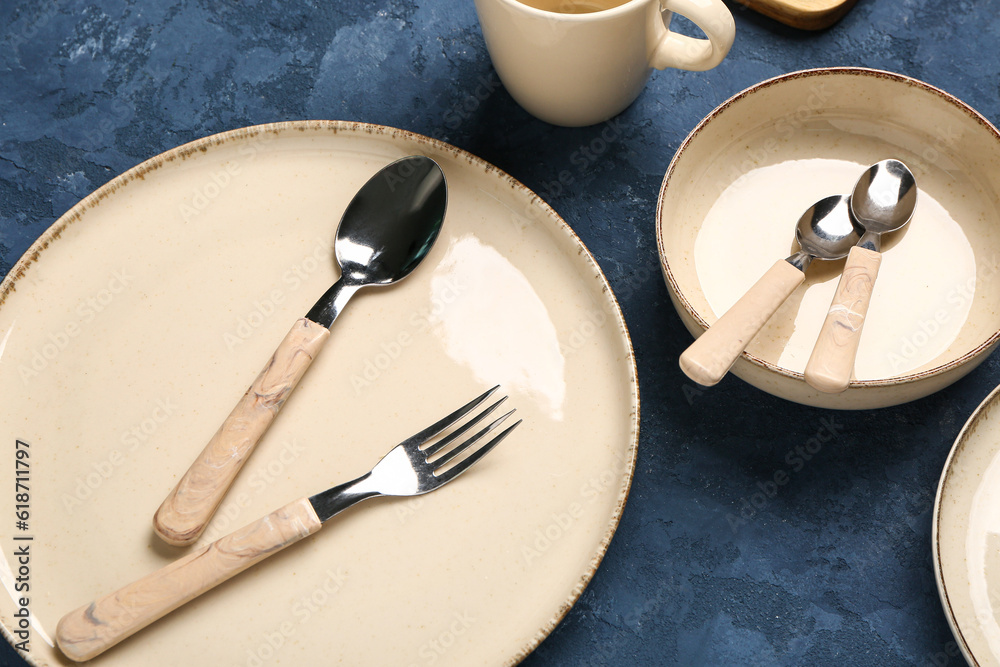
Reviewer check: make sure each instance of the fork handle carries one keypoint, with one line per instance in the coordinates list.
(184, 514)
(99, 625)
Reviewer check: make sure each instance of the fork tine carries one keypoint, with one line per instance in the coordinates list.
(451, 437)
(450, 456)
(461, 467)
(435, 428)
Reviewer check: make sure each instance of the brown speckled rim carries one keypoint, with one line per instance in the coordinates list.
(139, 173)
(979, 414)
(673, 285)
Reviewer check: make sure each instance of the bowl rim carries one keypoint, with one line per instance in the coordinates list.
(679, 296)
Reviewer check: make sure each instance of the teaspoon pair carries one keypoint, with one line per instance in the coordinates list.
(883, 200)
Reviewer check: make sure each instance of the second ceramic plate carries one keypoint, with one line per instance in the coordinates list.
(966, 535)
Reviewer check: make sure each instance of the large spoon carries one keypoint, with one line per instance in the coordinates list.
(387, 229)
(883, 201)
(823, 232)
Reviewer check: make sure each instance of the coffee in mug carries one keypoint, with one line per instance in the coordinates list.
(573, 6)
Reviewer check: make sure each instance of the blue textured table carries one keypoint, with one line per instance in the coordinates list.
(833, 568)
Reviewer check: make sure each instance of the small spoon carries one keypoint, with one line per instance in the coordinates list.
(824, 232)
(386, 230)
(883, 201)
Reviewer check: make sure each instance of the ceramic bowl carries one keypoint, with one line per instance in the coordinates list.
(743, 177)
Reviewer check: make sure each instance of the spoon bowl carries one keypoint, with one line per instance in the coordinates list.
(386, 230)
(825, 230)
(885, 197)
(379, 241)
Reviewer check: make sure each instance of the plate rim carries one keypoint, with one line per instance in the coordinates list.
(961, 440)
(678, 296)
(204, 144)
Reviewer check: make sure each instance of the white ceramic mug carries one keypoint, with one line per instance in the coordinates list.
(578, 69)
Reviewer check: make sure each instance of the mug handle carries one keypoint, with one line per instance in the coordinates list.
(683, 52)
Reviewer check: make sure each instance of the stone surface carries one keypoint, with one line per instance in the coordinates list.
(834, 568)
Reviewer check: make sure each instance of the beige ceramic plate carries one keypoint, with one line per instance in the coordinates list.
(744, 176)
(966, 535)
(130, 329)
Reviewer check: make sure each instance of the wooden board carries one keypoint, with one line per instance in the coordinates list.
(803, 14)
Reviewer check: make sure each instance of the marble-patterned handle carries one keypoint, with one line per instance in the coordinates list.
(96, 627)
(184, 514)
(832, 360)
(710, 357)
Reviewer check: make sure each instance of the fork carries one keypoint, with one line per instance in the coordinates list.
(411, 468)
